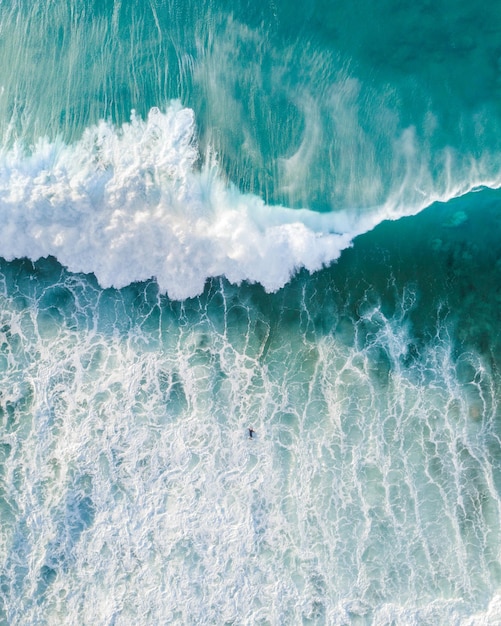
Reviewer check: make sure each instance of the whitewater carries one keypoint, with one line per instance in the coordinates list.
(130, 204)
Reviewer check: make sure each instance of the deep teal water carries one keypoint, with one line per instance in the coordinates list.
(303, 238)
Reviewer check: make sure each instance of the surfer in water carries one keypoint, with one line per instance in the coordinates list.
(251, 432)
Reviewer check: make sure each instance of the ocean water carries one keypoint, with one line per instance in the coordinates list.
(220, 215)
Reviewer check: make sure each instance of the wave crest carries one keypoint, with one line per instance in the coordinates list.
(131, 203)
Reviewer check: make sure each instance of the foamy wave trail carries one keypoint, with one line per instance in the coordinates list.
(131, 203)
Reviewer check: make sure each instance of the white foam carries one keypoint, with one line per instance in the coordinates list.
(133, 496)
(131, 203)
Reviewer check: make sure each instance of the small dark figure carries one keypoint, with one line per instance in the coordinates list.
(251, 432)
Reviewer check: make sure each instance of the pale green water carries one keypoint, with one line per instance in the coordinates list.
(129, 490)
(329, 106)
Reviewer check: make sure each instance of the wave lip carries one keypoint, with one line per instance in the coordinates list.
(131, 203)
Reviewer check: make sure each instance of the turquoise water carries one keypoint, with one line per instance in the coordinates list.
(218, 216)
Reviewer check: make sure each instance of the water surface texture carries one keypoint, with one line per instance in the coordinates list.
(220, 215)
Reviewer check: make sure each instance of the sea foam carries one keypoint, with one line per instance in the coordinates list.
(136, 202)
